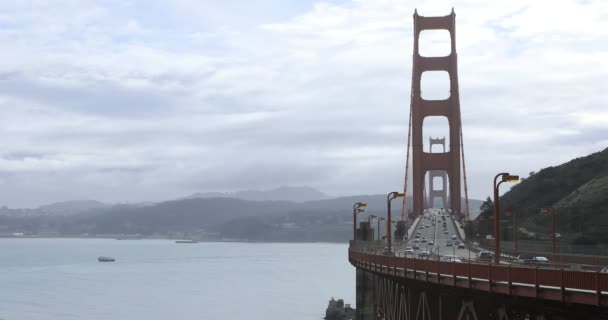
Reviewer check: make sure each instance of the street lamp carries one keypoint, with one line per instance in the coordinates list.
(369, 226)
(389, 198)
(514, 214)
(505, 177)
(552, 210)
(357, 208)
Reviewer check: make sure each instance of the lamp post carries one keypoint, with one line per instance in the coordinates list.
(369, 226)
(357, 208)
(379, 219)
(505, 177)
(514, 214)
(389, 198)
(552, 210)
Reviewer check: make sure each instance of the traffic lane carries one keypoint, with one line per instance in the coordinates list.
(436, 234)
(425, 232)
(452, 250)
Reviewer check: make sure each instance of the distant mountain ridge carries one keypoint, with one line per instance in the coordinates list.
(283, 193)
(64, 208)
(71, 207)
(270, 215)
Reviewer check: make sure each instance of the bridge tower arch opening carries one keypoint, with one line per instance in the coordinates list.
(438, 179)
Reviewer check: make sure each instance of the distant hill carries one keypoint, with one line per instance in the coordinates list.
(226, 217)
(577, 190)
(65, 208)
(283, 193)
(71, 207)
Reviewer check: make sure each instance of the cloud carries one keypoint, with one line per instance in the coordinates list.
(132, 101)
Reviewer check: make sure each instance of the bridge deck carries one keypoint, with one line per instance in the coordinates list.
(583, 287)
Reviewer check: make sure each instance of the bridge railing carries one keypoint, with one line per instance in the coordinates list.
(536, 281)
(559, 260)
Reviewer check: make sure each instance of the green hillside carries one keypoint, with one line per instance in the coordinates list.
(578, 190)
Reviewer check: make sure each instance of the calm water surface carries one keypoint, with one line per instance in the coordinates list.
(159, 279)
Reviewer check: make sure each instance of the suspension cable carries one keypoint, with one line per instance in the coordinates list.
(407, 167)
(464, 171)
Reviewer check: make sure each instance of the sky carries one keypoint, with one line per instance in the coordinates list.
(129, 101)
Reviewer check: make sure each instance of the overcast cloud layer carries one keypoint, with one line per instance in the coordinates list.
(142, 101)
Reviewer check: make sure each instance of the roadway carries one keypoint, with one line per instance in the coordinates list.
(438, 235)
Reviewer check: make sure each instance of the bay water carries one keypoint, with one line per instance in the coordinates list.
(160, 279)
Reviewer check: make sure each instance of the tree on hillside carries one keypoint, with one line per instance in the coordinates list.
(487, 207)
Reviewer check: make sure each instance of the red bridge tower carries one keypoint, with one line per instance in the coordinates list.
(449, 161)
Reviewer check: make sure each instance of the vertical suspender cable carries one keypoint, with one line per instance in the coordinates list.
(404, 215)
(464, 171)
(407, 168)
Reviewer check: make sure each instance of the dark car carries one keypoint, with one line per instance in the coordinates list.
(486, 256)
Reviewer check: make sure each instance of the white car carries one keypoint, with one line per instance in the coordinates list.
(408, 250)
(453, 237)
(450, 258)
(423, 254)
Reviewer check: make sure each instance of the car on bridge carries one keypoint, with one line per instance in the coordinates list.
(450, 258)
(540, 260)
(408, 250)
(415, 247)
(431, 243)
(485, 256)
(461, 246)
(424, 254)
(449, 243)
(531, 259)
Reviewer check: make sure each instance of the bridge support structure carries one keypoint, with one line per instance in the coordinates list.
(365, 282)
(423, 162)
(399, 299)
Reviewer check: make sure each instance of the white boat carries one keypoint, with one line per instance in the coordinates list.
(105, 259)
(186, 241)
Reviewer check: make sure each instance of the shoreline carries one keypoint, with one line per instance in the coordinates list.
(168, 239)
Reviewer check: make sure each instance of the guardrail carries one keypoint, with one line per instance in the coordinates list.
(584, 287)
(585, 261)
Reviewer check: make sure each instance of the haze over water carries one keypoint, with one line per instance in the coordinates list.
(159, 279)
